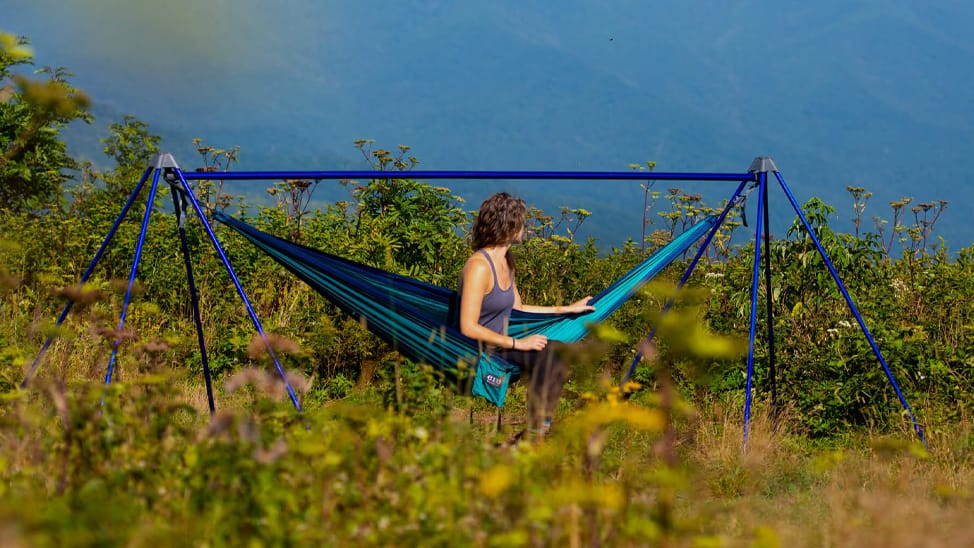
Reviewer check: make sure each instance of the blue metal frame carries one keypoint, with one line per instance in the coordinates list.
(683, 279)
(769, 314)
(510, 175)
(179, 206)
(852, 306)
(188, 191)
(755, 277)
(178, 180)
(149, 206)
(87, 274)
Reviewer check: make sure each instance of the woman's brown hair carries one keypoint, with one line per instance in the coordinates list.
(499, 221)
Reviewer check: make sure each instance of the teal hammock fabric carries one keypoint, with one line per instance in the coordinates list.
(416, 317)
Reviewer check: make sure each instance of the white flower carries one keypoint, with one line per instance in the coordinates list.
(899, 286)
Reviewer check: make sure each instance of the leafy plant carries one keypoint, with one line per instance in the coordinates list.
(34, 163)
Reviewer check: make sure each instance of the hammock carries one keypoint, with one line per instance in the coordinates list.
(418, 318)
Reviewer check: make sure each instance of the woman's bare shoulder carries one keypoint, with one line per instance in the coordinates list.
(477, 268)
(476, 261)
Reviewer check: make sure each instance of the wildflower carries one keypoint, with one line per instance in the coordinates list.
(494, 481)
(898, 286)
(630, 387)
(257, 347)
(219, 423)
(272, 454)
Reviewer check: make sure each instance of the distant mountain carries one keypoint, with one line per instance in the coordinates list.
(864, 93)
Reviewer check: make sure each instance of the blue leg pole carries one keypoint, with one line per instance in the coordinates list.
(683, 279)
(769, 306)
(132, 273)
(852, 306)
(755, 278)
(179, 203)
(87, 274)
(236, 282)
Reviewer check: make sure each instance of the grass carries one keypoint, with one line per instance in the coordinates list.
(874, 491)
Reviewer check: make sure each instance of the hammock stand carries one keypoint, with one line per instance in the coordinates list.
(164, 166)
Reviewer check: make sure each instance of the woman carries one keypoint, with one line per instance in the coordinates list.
(488, 293)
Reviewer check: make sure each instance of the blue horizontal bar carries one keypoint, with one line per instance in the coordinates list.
(524, 175)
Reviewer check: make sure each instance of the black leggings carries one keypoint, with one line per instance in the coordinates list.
(546, 372)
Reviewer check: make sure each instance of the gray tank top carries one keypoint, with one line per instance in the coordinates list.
(497, 304)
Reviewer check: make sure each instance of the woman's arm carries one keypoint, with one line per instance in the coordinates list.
(576, 307)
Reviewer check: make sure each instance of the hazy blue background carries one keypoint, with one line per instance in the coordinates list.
(867, 93)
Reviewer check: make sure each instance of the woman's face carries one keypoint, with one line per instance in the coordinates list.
(519, 233)
(519, 236)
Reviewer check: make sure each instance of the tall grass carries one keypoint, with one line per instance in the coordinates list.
(867, 490)
(142, 463)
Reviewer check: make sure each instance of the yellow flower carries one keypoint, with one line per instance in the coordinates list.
(493, 482)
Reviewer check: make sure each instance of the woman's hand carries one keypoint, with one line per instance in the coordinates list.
(531, 342)
(578, 307)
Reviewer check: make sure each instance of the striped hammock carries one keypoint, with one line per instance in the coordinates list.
(417, 318)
